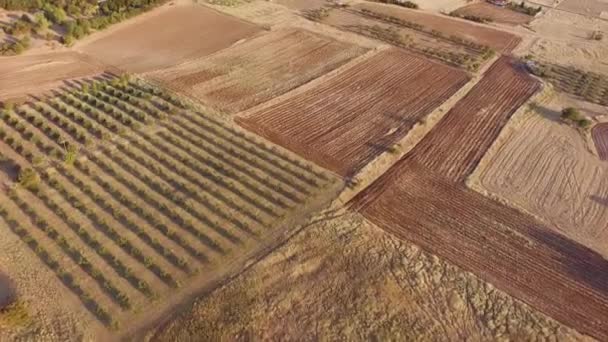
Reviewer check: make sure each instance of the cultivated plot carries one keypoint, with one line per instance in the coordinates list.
(181, 32)
(500, 41)
(600, 138)
(401, 33)
(459, 141)
(348, 120)
(21, 76)
(127, 196)
(545, 168)
(494, 13)
(501, 245)
(257, 70)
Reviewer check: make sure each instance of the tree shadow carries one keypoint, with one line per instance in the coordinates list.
(547, 113)
(600, 200)
(10, 168)
(8, 291)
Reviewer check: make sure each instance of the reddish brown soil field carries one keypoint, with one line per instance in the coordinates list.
(458, 142)
(345, 122)
(168, 36)
(498, 40)
(600, 137)
(422, 199)
(495, 13)
(501, 245)
(21, 76)
(259, 69)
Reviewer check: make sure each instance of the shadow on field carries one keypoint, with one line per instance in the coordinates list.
(9, 168)
(547, 113)
(600, 200)
(582, 264)
(7, 291)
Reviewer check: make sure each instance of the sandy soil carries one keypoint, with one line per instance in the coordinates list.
(443, 6)
(563, 38)
(181, 32)
(257, 70)
(594, 8)
(301, 4)
(373, 287)
(21, 76)
(546, 168)
(495, 13)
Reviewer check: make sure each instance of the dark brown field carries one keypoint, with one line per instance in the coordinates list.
(459, 141)
(347, 121)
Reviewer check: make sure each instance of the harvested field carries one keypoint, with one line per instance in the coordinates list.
(395, 31)
(186, 32)
(494, 13)
(373, 286)
(600, 137)
(501, 245)
(348, 120)
(136, 202)
(594, 8)
(456, 145)
(257, 70)
(544, 167)
(500, 41)
(22, 76)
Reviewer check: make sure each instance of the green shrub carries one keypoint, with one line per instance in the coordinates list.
(29, 179)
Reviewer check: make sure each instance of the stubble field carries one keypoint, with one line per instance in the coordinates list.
(178, 33)
(348, 120)
(257, 70)
(139, 196)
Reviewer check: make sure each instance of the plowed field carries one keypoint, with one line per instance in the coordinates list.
(545, 168)
(21, 76)
(495, 13)
(499, 244)
(167, 36)
(498, 40)
(259, 69)
(420, 199)
(458, 142)
(600, 137)
(347, 121)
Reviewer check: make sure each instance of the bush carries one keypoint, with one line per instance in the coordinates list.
(29, 179)
(571, 113)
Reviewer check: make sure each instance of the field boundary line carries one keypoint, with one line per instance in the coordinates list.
(473, 181)
(383, 162)
(189, 294)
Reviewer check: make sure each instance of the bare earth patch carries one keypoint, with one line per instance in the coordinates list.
(374, 286)
(21, 76)
(167, 36)
(257, 70)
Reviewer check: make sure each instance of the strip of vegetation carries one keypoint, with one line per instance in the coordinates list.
(573, 115)
(402, 3)
(470, 17)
